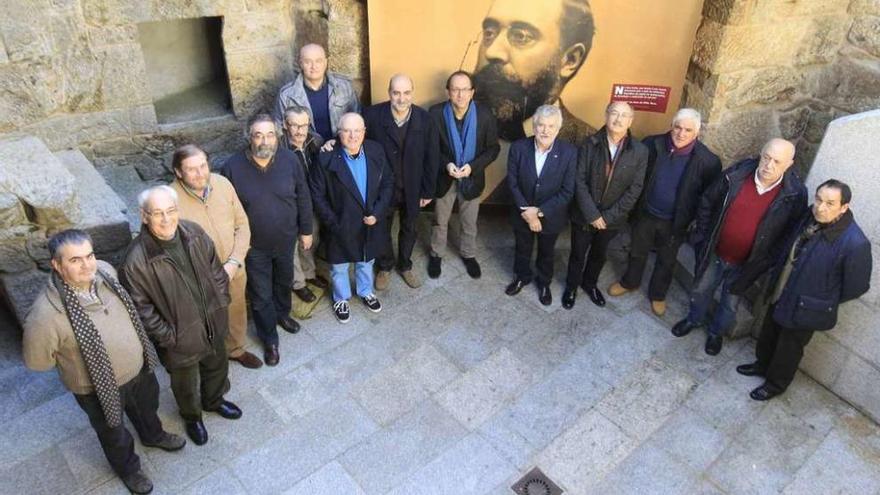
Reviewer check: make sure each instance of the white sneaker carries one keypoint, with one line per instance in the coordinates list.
(340, 310)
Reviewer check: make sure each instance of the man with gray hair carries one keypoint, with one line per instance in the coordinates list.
(85, 324)
(540, 174)
(679, 169)
(327, 95)
(181, 292)
(275, 194)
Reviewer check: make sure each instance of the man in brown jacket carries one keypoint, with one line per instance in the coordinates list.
(210, 201)
(181, 292)
(85, 325)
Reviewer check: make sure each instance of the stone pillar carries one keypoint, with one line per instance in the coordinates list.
(764, 68)
(847, 358)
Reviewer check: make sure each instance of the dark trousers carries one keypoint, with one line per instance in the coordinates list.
(522, 265)
(270, 280)
(202, 385)
(583, 269)
(779, 351)
(140, 399)
(406, 239)
(648, 233)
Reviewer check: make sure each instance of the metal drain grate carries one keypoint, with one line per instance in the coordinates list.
(536, 482)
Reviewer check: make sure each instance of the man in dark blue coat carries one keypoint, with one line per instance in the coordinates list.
(412, 146)
(352, 187)
(540, 174)
(827, 261)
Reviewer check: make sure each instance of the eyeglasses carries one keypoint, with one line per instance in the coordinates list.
(158, 214)
(297, 127)
(264, 137)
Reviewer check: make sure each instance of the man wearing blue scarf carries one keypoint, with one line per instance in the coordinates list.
(352, 188)
(468, 144)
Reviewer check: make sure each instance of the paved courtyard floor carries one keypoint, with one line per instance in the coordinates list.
(456, 388)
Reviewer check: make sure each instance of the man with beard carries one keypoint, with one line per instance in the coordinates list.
(527, 56)
(412, 146)
(274, 191)
(468, 144)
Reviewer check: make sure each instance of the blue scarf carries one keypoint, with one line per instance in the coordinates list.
(464, 151)
(358, 168)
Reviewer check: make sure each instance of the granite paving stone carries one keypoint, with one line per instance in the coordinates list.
(723, 406)
(220, 481)
(841, 464)
(690, 439)
(329, 480)
(649, 467)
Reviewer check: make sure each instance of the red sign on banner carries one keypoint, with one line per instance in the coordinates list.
(642, 96)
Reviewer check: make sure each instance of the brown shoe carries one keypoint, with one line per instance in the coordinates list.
(383, 279)
(658, 307)
(247, 360)
(270, 354)
(411, 279)
(617, 290)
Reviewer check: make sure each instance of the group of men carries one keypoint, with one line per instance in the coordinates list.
(211, 241)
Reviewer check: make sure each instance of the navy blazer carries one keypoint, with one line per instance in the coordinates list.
(341, 209)
(551, 192)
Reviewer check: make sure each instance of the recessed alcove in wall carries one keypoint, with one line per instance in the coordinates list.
(186, 69)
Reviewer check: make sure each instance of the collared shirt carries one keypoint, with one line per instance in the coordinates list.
(201, 197)
(250, 158)
(612, 147)
(760, 187)
(402, 122)
(541, 157)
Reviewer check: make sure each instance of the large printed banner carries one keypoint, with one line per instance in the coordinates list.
(578, 54)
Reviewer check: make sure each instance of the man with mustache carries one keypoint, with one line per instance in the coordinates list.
(275, 194)
(527, 56)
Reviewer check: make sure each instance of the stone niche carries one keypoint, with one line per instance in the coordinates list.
(186, 69)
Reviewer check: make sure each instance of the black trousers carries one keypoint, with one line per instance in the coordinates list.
(270, 280)
(140, 399)
(779, 351)
(583, 269)
(406, 239)
(202, 385)
(648, 233)
(522, 264)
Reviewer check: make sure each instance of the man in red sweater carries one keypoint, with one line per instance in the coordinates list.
(741, 221)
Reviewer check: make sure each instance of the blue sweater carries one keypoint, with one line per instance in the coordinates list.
(319, 101)
(276, 199)
(669, 169)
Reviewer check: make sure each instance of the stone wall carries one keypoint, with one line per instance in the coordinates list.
(763, 68)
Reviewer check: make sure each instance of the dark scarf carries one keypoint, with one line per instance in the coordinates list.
(464, 144)
(92, 347)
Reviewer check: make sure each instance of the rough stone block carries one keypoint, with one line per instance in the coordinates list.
(822, 39)
(4, 58)
(13, 249)
(67, 131)
(99, 203)
(124, 76)
(11, 211)
(256, 30)
(21, 290)
(848, 84)
(762, 11)
(864, 7)
(865, 34)
(762, 86)
(726, 11)
(29, 169)
(740, 134)
(729, 48)
(255, 78)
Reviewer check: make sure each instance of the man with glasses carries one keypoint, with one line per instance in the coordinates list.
(468, 144)
(275, 194)
(610, 173)
(352, 187)
(181, 294)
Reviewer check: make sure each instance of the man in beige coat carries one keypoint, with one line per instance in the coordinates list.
(85, 325)
(210, 201)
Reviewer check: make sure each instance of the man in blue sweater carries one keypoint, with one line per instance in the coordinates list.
(274, 191)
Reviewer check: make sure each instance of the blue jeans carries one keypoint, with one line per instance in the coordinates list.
(719, 272)
(363, 275)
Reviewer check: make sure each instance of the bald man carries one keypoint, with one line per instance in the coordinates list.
(740, 225)
(327, 95)
(352, 186)
(412, 145)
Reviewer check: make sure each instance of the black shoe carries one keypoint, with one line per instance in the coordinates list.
(372, 303)
(473, 268)
(319, 282)
(341, 311)
(683, 328)
(713, 344)
(568, 298)
(288, 324)
(596, 296)
(305, 294)
(270, 355)
(763, 393)
(434, 266)
(545, 296)
(169, 442)
(196, 432)
(751, 369)
(227, 410)
(138, 482)
(515, 287)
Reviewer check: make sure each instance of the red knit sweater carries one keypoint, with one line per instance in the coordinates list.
(741, 222)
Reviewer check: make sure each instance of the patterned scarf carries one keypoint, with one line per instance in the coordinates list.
(92, 347)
